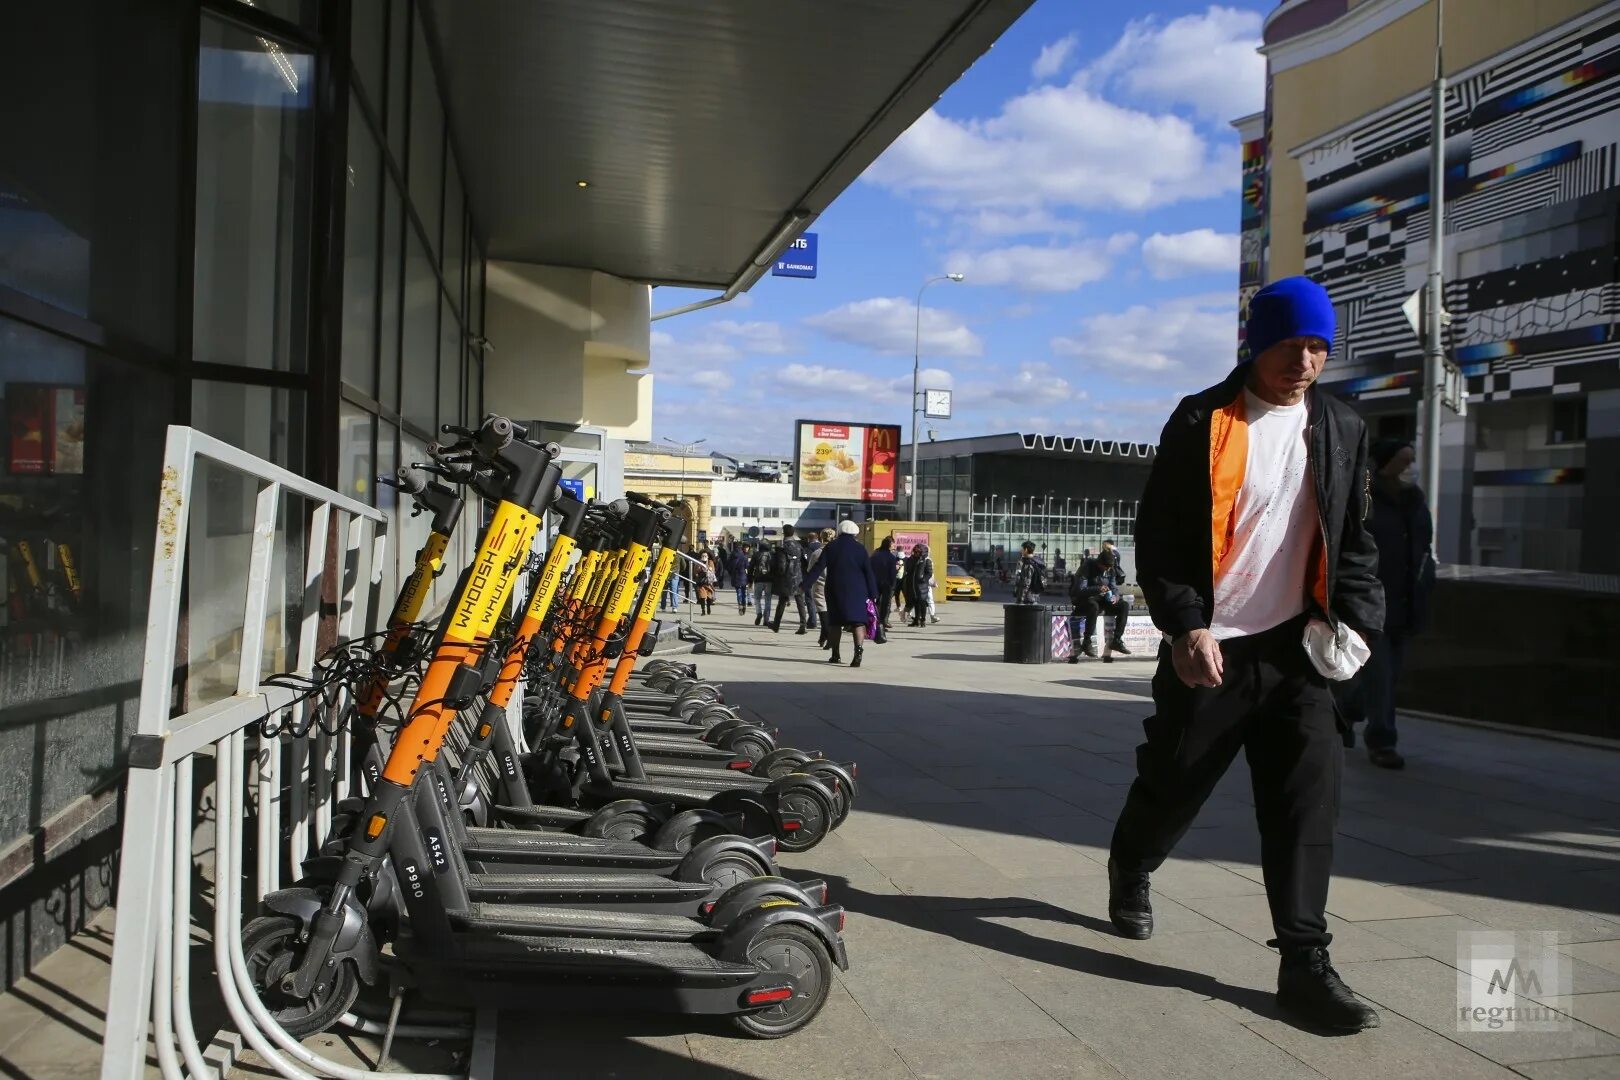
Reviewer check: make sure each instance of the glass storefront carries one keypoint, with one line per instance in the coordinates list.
(164, 259)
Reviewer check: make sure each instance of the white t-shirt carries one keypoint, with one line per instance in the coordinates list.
(1261, 583)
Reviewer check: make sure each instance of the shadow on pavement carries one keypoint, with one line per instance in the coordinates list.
(975, 928)
(1507, 821)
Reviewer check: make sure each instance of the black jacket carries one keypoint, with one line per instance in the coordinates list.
(1404, 531)
(787, 569)
(1173, 544)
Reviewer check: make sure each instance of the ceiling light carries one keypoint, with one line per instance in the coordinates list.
(582, 183)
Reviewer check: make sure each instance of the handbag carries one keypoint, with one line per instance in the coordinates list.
(874, 626)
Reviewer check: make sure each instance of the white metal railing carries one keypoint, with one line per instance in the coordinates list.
(152, 943)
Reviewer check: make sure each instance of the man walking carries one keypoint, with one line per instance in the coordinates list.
(1250, 525)
(787, 576)
(1030, 581)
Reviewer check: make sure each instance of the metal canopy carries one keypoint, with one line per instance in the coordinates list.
(701, 126)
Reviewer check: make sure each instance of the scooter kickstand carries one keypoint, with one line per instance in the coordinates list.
(393, 1022)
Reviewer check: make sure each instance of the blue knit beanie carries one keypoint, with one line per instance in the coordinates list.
(1292, 307)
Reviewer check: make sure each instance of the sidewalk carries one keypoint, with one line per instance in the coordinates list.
(974, 873)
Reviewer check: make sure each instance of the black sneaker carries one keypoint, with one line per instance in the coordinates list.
(1118, 645)
(1129, 908)
(1310, 990)
(1088, 649)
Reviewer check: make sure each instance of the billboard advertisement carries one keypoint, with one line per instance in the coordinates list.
(846, 462)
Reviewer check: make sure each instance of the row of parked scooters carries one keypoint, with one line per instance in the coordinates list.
(606, 838)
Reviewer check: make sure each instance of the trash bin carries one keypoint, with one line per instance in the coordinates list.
(1026, 634)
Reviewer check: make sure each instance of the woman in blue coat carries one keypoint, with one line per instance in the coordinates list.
(850, 584)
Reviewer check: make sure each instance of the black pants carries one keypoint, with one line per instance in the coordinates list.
(885, 598)
(1093, 606)
(781, 606)
(1274, 706)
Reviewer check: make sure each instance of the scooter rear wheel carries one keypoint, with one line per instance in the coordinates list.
(813, 808)
(795, 951)
(270, 947)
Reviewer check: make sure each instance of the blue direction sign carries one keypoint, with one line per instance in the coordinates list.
(576, 488)
(799, 260)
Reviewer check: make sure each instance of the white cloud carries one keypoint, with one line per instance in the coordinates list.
(994, 223)
(889, 324)
(849, 385)
(1032, 385)
(1201, 251)
(1055, 148)
(1206, 63)
(1184, 343)
(1054, 58)
(701, 358)
(1035, 269)
(755, 337)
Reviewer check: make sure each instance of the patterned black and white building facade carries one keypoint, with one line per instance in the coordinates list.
(1532, 474)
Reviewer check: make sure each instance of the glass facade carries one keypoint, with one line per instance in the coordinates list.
(992, 502)
(165, 258)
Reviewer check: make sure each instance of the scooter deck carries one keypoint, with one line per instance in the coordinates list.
(617, 892)
(507, 846)
(620, 926)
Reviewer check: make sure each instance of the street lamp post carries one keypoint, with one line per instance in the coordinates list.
(916, 368)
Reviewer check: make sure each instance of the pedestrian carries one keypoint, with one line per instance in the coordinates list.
(704, 577)
(817, 584)
(787, 578)
(852, 589)
(812, 548)
(886, 570)
(1030, 581)
(920, 586)
(737, 566)
(1404, 532)
(1274, 472)
(759, 572)
(1094, 592)
(902, 594)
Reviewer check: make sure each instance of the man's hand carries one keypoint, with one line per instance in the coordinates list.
(1197, 658)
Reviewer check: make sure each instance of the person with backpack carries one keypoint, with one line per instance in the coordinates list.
(920, 586)
(1030, 581)
(759, 572)
(787, 578)
(1094, 592)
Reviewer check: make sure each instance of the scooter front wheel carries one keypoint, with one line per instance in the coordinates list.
(798, 953)
(270, 947)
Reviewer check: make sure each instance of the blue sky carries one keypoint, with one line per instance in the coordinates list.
(1083, 175)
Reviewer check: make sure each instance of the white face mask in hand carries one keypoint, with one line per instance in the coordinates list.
(1337, 656)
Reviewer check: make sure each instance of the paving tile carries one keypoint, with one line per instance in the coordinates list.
(1355, 901)
(1519, 905)
(901, 989)
(1126, 1014)
(1438, 937)
(843, 1042)
(1425, 991)
(952, 881)
(1586, 1068)
(1603, 954)
(1025, 803)
(1396, 1048)
(1189, 879)
(1086, 900)
(1251, 917)
(876, 835)
(1020, 856)
(1601, 1011)
(1027, 1059)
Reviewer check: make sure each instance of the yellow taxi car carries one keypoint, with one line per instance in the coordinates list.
(961, 585)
